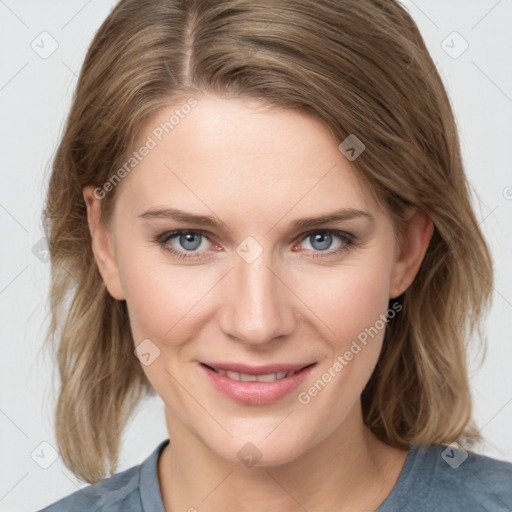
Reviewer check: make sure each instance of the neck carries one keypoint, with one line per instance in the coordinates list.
(349, 470)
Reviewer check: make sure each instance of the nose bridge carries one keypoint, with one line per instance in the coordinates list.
(257, 309)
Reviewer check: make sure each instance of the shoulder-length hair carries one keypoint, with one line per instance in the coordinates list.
(362, 68)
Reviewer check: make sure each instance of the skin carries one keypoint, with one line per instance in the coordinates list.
(258, 170)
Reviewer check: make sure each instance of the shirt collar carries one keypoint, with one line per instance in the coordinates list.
(149, 488)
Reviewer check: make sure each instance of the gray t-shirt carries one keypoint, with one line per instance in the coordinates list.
(434, 478)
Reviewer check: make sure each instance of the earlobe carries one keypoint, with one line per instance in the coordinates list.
(411, 252)
(102, 245)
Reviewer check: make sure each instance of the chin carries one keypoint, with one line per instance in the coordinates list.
(276, 449)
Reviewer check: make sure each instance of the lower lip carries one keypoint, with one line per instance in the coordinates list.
(254, 392)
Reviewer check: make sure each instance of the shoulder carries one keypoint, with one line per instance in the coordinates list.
(472, 468)
(132, 490)
(438, 477)
(119, 492)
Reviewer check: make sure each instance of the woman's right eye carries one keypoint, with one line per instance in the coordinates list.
(188, 240)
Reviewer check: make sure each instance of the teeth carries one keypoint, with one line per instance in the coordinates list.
(248, 378)
(268, 377)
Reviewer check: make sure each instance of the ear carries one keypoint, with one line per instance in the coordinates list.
(410, 253)
(102, 246)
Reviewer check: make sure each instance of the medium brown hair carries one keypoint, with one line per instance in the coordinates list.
(362, 68)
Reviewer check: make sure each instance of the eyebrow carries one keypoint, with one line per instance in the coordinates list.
(212, 222)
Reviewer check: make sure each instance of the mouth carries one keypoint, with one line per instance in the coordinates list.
(255, 385)
(246, 373)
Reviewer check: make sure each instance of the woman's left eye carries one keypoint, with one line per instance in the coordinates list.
(321, 241)
(192, 241)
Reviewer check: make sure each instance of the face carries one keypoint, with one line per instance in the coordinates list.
(253, 286)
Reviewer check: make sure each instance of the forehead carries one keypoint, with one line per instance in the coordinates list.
(238, 156)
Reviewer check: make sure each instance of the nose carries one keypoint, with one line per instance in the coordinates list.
(258, 307)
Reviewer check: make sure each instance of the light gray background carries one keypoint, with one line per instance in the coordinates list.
(35, 95)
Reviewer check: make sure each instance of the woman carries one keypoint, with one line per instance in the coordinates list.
(261, 213)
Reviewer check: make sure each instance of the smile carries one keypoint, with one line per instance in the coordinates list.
(252, 385)
(246, 377)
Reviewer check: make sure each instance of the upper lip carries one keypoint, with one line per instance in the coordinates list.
(256, 370)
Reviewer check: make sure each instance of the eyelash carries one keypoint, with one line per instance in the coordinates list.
(347, 239)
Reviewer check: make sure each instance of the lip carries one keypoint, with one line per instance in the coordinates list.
(256, 370)
(255, 392)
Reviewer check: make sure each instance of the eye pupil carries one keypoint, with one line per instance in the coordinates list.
(324, 239)
(188, 238)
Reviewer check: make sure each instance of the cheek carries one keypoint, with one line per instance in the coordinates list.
(349, 299)
(161, 301)
(159, 295)
(363, 300)
(354, 309)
